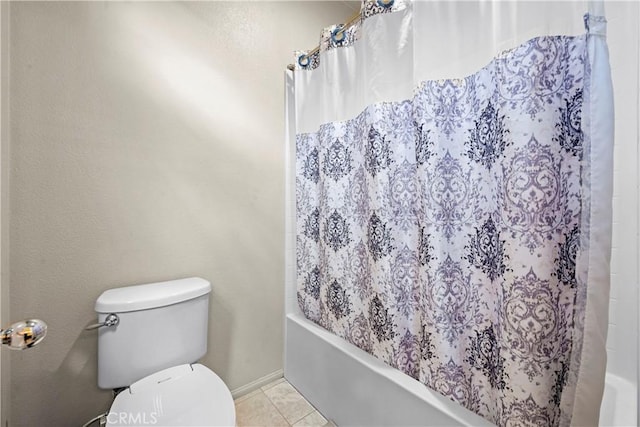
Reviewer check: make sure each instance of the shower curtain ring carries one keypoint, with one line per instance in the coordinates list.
(338, 35)
(303, 60)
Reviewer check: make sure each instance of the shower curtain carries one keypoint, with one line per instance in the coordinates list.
(453, 199)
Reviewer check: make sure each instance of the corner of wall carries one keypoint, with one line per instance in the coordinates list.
(4, 205)
(637, 237)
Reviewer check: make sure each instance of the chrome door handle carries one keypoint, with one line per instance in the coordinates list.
(24, 334)
(111, 320)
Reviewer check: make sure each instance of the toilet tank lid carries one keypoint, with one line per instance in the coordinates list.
(151, 295)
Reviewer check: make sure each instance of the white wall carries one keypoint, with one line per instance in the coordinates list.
(5, 368)
(146, 144)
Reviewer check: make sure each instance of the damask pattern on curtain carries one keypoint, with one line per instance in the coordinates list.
(441, 233)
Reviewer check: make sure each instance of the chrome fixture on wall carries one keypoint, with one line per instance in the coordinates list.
(24, 334)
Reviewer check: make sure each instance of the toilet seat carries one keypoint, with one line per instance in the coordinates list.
(184, 395)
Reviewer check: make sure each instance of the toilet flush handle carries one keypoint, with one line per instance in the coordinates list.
(111, 320)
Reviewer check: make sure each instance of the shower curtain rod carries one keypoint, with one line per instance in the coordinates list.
(351, 22)
(595, 7)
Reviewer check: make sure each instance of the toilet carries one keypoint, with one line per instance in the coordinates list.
(149, 339)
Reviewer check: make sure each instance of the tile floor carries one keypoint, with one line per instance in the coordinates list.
(277, 404)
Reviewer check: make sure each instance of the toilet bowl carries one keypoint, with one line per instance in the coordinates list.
(149, 340)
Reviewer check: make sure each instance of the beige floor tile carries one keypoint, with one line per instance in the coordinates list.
(289, 402)
(273, 383)
(314, 419)
(258, 410)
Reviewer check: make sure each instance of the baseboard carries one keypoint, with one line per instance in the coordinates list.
(254, 385)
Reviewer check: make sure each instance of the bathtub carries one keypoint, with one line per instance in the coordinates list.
(619, 403)
(351, 387)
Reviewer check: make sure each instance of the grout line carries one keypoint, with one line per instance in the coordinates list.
(304, 416)
(285, 418)
(270, 385)
(278, 410)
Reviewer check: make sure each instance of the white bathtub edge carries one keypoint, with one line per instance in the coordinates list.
(349, 373)
(392, 398)
(619, 402)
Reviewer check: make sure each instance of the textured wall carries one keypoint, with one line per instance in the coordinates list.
(147, 144)
(5, 367)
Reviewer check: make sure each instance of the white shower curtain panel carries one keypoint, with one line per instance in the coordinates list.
(453, 199)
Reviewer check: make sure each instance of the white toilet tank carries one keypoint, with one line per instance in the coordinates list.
(160, 325)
